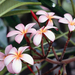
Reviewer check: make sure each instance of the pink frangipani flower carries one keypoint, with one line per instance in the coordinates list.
(21, 31)
(47, 16)
(3, 56)
(15, 58)
(39, 33)
(68, 20)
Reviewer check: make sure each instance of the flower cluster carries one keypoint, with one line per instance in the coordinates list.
(13, 58)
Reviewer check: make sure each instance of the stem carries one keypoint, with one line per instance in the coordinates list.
(73, 7)
(55, 53)
(69, 36)
(66, 61)
(51, 70)
(52, 61)
(42, 48)
(38, 70)
(64, 70)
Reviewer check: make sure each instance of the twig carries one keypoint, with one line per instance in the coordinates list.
(38, 70)
(69, 36)
(64, 70)
(55, 53)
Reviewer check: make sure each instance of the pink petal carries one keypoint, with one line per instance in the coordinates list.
(2, 55)
(8, 59)
(11, 33)
(37, 39)
(7, 49)
(41, 12)
(68, 17)
(20, 27)
(63, 20)
(13, 51)
(17, 65)
(28, 26)
(22, 49)
(42, 19)
(43, 7)
(19, 38)
(27, 58)
(50, 35)
(56, 17)
(9, 68)
(32, 30)
(49, 27)
(71, 28)
(51, 13)
(2, 65)
(50, 23)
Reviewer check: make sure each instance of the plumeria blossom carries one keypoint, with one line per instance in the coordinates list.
(3, 56)
(39, 33)
(21, 30)
(68, 20)
(46, 17)
(15, 58)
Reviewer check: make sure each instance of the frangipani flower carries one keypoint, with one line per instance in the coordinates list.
(15, 58)
(3, 56)
(46, 16)
(39, 33)
(21, 30)
(68, 20)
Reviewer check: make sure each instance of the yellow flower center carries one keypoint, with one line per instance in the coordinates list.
(50, 18)
(72, 23)
(42, 31)
(24, 31)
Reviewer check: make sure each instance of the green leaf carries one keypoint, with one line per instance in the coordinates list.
(54, 7)
(8, 5)
(1, 1)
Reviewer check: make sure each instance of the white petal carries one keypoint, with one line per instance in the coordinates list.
(7, 49)
(42, 19)
(9, 68)
(19, 38)
(27, 58)
(50, 23)
(2, 55)
(20, 27)
(28, 26)
(51, 13)
(17, 65)
(68, 17)
(37, 39)
(13, 51)
(56, 17)
(71, 28)
(8, 59)
(50, 35)
(41, 12)
(22, 49)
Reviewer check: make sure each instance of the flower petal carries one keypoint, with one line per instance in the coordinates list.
(41, 12)
(27, 58)
(9, 68)
(22, 49)
(56, 17)
(20, 27)
(37, 39)
(42, 19)
(17, 65)
(8, 59)
(50, 23)
(2, 65)
(63, 20)
(2, 55)
(71, 28)
(13, 51)
(7, 49)
(50, 35)
(28, 26)
(68, 17)
(51, 13)
(19, 38)
(11, 33)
